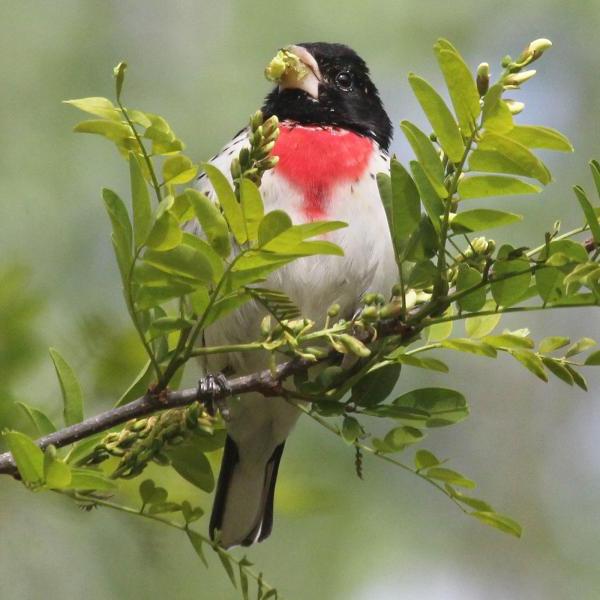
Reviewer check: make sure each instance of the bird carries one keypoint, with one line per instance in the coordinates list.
(334, 137)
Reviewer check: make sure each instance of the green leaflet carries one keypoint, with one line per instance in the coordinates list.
(40, 421)
(589, 212)
(178, 169)
(192, 465)
(431, 201)
(231, 207)
(427, 156)
(272, 224)
(100, 107)
(440, 117)
(460, 83)
(514, 153)
(122, 233)
(481, 219)
(70, 388)
(212, 222)
(496, 115)
(483, 186)
(252, 207)
(535, 136)
(140, 200)
(28, 457)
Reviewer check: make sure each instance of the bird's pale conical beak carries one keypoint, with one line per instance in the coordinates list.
(307, 79)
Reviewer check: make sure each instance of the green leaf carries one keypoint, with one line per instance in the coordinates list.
(478, 327)
(111, 130)
(593, 359)
(580, 346)
(197, 540)
(57, 474)
(461, 85)
(440, 331)
(527, 163)
(178, 169)
(505, 524)
(289, 240)
(589, 212)
(122, 233)
(165, 233)
(531, 362)
(28, 457)
(595, 167)
(182, 261)
(205, 249)
(100, 107)
(451, 477)
(578, 378)
(427, 156)
(440, 117)
(212, 222)
(401, 201)
(88, 479)
(400, 437)
(467, 278)
(41, 423)
(470, 346)
(252, 207)
(510, 290)
(192, 465)
(423, 243)
(444, 406)
(427, 362)
(70, 388)
(552, 343)
(548, 281)
(139, 386)
(166, 325)
(509, 340)
(469, 500)
(140, 199)
(376, 385)
(149, 297)
(557, 368)
(483, 186)
(226, 562)
(231, 207)
(496, 115)
(431, 201)
(272, 224)
(534, 136)
(481, 219)
(425, 459)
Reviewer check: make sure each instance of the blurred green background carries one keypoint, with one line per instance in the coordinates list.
(532, 447)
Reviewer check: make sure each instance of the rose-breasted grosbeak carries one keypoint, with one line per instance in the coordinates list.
(334, 137)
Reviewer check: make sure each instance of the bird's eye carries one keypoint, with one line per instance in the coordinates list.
(344, 80)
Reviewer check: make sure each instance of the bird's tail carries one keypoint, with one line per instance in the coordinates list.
(243, 508)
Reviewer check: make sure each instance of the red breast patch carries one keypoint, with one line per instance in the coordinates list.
(315, 159)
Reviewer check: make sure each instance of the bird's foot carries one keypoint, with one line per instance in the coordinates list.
(212, 390)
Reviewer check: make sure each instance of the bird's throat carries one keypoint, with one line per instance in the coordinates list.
(316, 159)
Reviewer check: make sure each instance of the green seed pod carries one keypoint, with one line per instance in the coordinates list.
(235, 168)
(353, 345)
(369, 298)
(393, 309)
(369, 313)
(483, 78)
(333, 310)
(244, 157)
(256, 120)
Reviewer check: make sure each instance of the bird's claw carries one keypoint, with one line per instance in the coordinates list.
(212, 389)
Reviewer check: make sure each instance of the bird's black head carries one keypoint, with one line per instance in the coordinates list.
(337, 91)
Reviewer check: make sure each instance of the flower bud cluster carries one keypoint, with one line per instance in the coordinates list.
(145, 440)
(253, 161)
